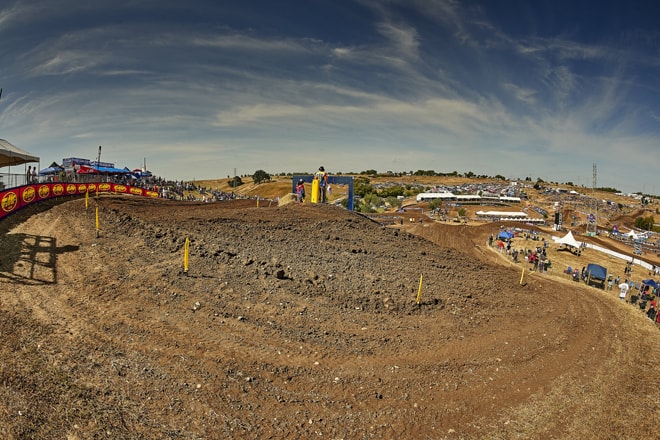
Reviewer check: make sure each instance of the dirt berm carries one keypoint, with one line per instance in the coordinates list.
(301, 321)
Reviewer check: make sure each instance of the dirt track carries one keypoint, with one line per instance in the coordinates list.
(299, 322)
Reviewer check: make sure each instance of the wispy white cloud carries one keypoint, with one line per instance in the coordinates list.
(64, 63)
(252, 44)
(403, 37)
(523, 94)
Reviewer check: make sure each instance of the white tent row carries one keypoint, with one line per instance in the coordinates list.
(427, 197)
(508, 216)
(504, 214)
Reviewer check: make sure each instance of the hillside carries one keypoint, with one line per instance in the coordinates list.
(578, 206)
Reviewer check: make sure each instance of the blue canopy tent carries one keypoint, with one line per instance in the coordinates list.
(505, 235)
(651, 283)
(596, 274)
(596, 271)
(53, 170)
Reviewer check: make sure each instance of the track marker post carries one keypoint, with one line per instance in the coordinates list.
(186, 248)
(522, 276)
(87, 199)
(419, 291)
(97, 222)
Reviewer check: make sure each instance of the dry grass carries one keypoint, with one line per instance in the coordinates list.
(277, 187)
(288, 199)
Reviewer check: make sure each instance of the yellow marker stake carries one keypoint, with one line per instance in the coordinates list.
(97, 222)
(86, 199)
(186, 246)
(315, 191)
(257, 202)
(522, 275)
(419, 292)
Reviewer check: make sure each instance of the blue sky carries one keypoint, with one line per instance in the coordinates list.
(199, 88)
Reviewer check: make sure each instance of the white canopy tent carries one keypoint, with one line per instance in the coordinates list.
(12, 155)
(632, 235)
(568, 240)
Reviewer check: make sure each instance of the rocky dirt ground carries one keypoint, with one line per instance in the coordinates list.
(302, 321)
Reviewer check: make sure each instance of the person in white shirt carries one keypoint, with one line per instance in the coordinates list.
(623, 290)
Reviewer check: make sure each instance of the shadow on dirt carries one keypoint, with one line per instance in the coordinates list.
(33, 259)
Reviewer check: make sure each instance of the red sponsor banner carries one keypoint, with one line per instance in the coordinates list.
(28, 194)
(12, 200)
(57, 189)
(9, 202)
(44, 191)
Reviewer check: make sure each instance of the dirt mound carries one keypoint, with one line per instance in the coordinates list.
(287, 199)
(302, 321)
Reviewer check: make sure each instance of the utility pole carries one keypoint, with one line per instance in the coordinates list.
(98, 165)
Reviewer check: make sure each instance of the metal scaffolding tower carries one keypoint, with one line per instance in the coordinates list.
(592, 221)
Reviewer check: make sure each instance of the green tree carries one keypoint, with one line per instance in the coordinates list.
(392, 191)
(394, 202)
(260, 176)
(373, 200)
(365, 205)
(435, 203)
(235, 182)
(361, 187)
(425, 173)
(645, 223)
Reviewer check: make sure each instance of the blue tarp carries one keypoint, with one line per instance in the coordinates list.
(596, 272)
(110, 170)
(505, 235)
(50, 171)
(651, 283)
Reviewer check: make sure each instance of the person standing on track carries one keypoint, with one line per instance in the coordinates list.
(300, 191)
(322, 177)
